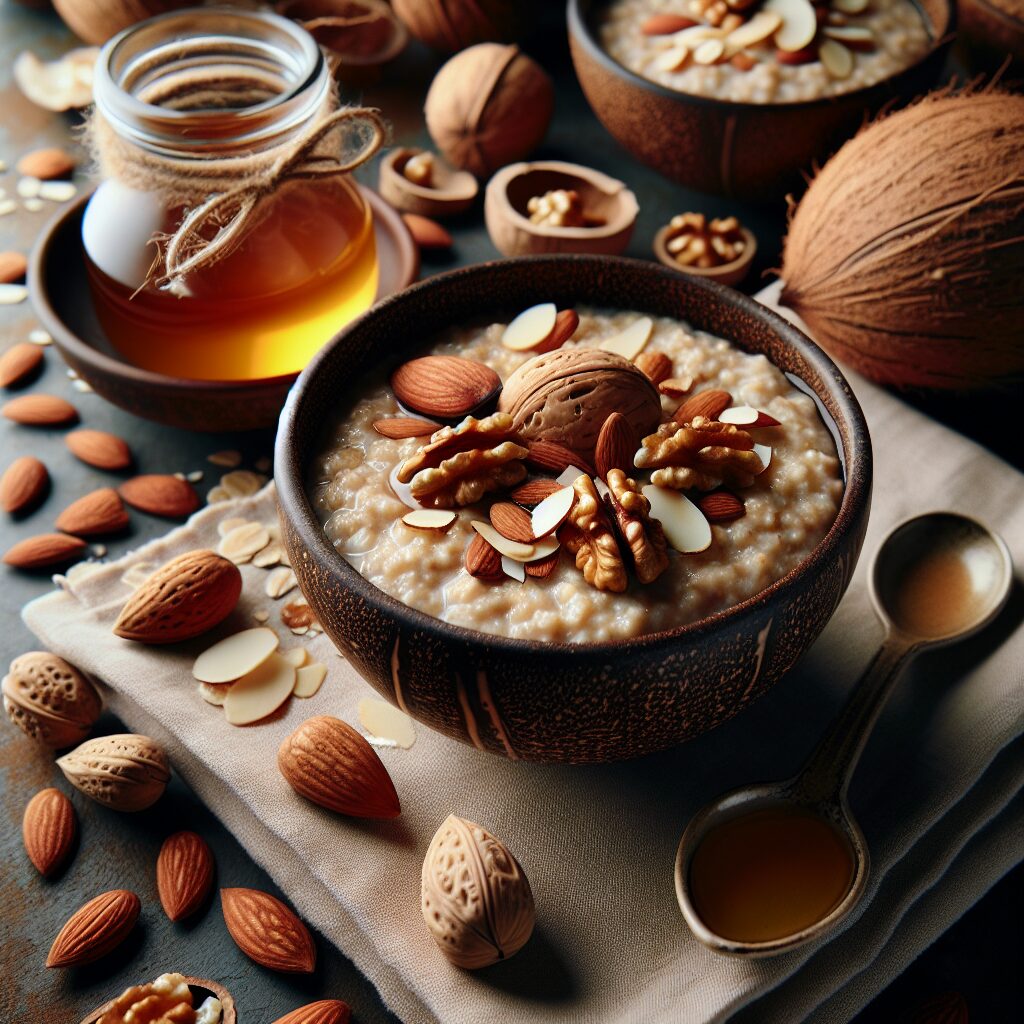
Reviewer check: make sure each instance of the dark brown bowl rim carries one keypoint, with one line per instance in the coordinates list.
(580, 31)
(79, 349)
(294, 504)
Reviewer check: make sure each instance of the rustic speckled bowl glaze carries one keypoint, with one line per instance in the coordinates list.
(565, 702)
(753, 150)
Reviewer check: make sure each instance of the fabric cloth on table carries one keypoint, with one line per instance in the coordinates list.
(937, 792)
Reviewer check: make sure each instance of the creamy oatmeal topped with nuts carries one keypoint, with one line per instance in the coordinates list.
(765, 51)
(600, 476)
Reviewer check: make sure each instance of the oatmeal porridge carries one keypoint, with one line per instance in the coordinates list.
(765, 51)
(668, 475)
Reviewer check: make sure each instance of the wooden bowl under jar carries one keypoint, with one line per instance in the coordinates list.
(751, 150)
(558, 701)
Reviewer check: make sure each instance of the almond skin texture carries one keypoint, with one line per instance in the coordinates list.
(324, 1011)
(18, 363)
(327, 761)
(566, 322)
(444, 386)
(721, 507)
(160, 494)
(23, 484)
(46, 164)
(185, 598)
(656, 365)
(95, 929)
(50, 700)
(482, 560)
(97, 514)
(711, 403)
(533, 492)
(400, 427)
(40, 411)
(184, 874)
(100, 449)
(12, 267)
(48, 829)
(267, 931)
(45, 551)
(616, 445)
(427, 233)
(555, 457)
(512, 521)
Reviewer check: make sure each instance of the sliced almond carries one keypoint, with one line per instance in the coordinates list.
(747, 416)
(762, 25)
(764, 453)
(541, 568)
(225, 526)
(530, 328)
(542, 549)
(229, 458)
(260, 692)
(241, 483)
(632, 341)
(856, 37)
(672, 59)
(552, 511)
(570, 475)
(298, 656)
(851, 6)
(309, 679)
(385, 722)
(836, 59)
(270, 556)
(57, 191)
(430, 518)
(513, 569)
(235, 655)
(799, 23)
(513, 549)
(684, 524)
(710, 51)
(676, 387)
(403, 492)
(280, 581)
(214, 693)
(243, 542)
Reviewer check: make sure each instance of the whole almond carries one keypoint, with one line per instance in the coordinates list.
(444, 386)
(267, 931)
(710, 403)
(566, 322)
(616, 445)
(160, 494)
(13, 267)
(533, 492)
(543, 567)
(48, 829)
(50, 700)
(324, 1011)
(512, 521)
(721, 506)
(23, 484)
(185, 598)
(666, 24)
(427, 233)
(556, 457)
(96, 514)
(125, 772)
(100, 449)
(46, 164)
(184, 874)
(40, 411)
(45, 551)
(18, 363)
(400, 427)
(483, 561)
(95, 929)
(327, 761)
(656, 365)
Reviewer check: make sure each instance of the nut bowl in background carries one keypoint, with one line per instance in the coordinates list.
(728, 147)
(555, 701)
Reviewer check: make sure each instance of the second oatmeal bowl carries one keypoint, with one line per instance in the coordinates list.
(572, 508)
(737, 97)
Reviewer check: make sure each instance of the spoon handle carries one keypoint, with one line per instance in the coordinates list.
(828, 771)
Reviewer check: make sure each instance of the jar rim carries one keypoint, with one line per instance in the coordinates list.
(279, 48)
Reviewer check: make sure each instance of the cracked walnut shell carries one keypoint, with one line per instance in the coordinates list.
(589, 535)
(475, 897)
(643, 535)
(702, 454)
(461, 464)
(125, 772)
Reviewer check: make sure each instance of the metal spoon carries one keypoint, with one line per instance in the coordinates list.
(975, 570)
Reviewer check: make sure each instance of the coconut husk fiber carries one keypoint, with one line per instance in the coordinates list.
(905, 257)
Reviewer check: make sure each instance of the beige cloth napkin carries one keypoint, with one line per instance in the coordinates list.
(937, 794)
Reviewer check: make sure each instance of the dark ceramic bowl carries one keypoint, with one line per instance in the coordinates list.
(751, 150)
(59, 288)
(565, 702)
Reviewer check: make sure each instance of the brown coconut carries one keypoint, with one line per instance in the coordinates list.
(488, 106)
(905, 256)
(452, 25)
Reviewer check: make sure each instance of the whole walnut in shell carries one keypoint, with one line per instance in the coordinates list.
(125, 772)
(475, 897)
(488, 106)
(50, 700)
(452, 25)
(566, 395)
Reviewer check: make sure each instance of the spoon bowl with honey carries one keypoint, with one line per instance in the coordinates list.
(770, 867)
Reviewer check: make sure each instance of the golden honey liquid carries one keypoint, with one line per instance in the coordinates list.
(769, 874)
(307, 268)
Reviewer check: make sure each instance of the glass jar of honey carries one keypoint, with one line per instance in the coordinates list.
(226, 240)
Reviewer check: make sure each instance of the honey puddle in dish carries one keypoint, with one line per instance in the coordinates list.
(769, 873)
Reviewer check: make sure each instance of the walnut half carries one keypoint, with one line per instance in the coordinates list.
(589, 535)
(643, 535)
(702, 454)
(168, 1000)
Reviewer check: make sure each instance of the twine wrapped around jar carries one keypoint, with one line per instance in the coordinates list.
(223, 192)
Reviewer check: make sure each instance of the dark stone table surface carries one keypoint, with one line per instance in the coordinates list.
(979, 957)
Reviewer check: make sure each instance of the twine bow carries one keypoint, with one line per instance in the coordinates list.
(190, 247)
